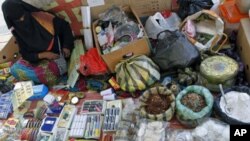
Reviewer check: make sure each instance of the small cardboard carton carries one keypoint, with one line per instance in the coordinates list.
(9, 52)
(141, 7)
(140, 46)
(243, 44)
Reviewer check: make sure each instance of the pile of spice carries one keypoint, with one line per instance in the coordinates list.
(157, 104)
(194, 101)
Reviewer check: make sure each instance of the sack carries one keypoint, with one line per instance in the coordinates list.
(92, 64)
(209, 29)
(189, 7)
(186, 115)
(173, 50)
(136, 73)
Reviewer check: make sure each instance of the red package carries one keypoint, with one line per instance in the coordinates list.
(91, 63)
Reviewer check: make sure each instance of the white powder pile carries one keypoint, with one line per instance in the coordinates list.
(238, 106)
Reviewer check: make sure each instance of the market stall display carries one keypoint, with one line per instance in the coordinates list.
(118, 91)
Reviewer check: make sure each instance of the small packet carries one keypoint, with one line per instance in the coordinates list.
(4, 114)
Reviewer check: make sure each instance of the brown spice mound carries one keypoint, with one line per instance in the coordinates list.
(194, 101)
(157, 104)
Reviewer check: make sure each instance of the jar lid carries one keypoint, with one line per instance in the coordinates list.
(219, 68)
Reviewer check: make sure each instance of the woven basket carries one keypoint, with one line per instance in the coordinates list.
(168, 114)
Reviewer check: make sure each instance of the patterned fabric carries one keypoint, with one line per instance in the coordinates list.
(70, 10)
(136, 73)
(45, 72)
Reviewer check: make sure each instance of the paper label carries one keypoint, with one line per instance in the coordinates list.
(93, 3)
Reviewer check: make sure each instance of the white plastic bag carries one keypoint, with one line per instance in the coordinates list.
(211, 130)
(152, 131)
(157, 23)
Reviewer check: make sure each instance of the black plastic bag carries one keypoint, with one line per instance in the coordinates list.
(189, 7)
(173, 50)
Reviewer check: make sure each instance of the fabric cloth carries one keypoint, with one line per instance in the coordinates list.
(31, 35)
(45, 72)
(69, 10)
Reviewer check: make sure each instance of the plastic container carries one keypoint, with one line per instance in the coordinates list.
(223, 115)
(231, 16)
(218, 70)
(230, 12)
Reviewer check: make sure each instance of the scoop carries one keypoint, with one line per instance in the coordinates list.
(227, 109)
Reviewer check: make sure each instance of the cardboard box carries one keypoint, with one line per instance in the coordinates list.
(243, 44)
(10, 52)
(141, 7)
(137, 47)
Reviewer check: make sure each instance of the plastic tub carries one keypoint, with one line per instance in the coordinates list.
(223, 115)
(230, 12)
(218, 70)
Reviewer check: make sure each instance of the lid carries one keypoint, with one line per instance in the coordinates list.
(219, 68)
(230, 12)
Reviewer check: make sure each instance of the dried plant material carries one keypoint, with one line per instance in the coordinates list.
(194, 101)
(157, 104)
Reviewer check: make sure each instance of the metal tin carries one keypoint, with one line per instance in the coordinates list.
(218, 70)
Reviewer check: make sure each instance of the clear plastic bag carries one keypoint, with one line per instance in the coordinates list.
(114, 14)
(211, 130)
(128, 29)
(130, 111)
(152, 131)
(127, 131)
(179, 135)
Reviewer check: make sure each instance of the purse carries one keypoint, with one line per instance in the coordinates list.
(61, 62)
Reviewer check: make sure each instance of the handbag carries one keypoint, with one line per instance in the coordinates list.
(61, 62)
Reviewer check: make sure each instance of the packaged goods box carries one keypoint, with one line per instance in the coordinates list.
(243, 44)
(10, 51)
(140, 46)
(141, 7)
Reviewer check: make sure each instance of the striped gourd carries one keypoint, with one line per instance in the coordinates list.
(136, 73)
